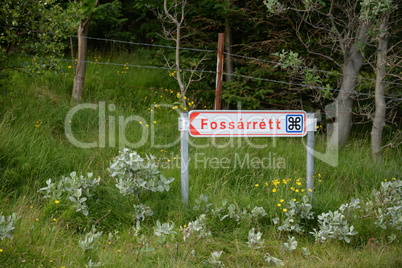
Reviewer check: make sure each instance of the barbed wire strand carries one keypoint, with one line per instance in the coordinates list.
(213, 90)
(214, 51)
(232, 55)
(214, 72)
(322, 111)
(306, 68)
(145, 44)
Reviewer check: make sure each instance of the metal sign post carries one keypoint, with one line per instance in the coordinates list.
(183, 128)
(311, 128)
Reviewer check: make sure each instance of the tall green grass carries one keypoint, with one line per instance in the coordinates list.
(34, 148)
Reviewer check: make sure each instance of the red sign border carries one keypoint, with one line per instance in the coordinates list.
(194, 113)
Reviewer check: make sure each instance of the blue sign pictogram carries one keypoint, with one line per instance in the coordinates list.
(294, 123)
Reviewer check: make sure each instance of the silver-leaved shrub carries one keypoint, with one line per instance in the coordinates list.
(272, 261)
(297, 213)
(135, 174)
(7, 225)
(215, 259)
(335, 225)
(254, 239)
(385, 205)
(164, 231)
(291, 244)
(198, 227)
(90, 240)
(76, 188)
(142, 211)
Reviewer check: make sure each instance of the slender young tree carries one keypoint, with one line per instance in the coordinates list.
(228, 44)
(333, 31)
(379, 12)
(86, 9)
(380, 105)
(352, 64)
(174, 14)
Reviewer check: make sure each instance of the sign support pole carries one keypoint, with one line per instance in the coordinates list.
(184, 128)
(311, 128)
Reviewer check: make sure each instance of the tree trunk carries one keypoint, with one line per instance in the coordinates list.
(380, 106)
(178, 22)
(343, 106)
(353, 61)
(228, 46)
(79, 76)
(178, 73)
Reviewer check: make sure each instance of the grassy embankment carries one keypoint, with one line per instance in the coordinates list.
(34, 148)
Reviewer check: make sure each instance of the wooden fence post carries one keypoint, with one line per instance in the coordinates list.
(219, 71)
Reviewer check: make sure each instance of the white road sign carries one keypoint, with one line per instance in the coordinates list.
(232, 123)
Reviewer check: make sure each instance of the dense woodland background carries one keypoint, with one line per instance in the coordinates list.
(278, 54)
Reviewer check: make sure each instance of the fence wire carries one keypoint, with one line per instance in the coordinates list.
(214, 72)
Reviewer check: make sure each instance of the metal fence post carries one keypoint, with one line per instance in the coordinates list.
(184, 128)
(311, 128)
